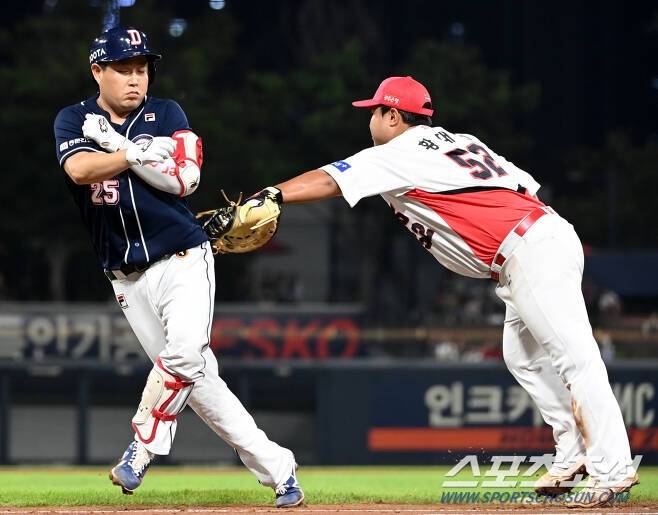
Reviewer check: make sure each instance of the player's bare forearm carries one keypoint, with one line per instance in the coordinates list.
(309, 186)
(91, 167)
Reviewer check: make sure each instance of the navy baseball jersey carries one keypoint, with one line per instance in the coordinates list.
(130, 222)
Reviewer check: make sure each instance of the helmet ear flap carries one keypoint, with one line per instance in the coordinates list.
(152, 69)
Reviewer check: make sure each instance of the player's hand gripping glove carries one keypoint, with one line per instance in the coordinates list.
(156, 150)
(240, 228)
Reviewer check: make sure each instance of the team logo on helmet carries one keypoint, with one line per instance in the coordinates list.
(135, 37)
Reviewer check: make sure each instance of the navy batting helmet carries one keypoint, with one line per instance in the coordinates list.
(122, 43)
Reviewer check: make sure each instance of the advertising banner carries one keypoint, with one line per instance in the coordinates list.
(101, 332)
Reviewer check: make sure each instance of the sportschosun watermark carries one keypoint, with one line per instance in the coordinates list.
(505, 472)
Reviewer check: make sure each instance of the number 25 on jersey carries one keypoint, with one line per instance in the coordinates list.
(106, 192)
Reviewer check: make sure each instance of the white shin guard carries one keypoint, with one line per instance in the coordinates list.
(164, 397)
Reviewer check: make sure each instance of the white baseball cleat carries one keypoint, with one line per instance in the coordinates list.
(551, 483)
(593, 496)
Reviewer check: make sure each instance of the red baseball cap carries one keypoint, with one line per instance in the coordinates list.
(403, 93)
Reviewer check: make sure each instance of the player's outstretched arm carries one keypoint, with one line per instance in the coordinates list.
(308, 187)
(245, 227)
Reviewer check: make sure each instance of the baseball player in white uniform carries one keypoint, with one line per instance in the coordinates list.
(479, 216)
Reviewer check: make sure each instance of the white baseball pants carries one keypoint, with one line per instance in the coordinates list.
(170, 309)
(549, 348)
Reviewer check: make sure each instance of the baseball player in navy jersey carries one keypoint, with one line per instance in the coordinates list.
(479, 216)
(130, 159)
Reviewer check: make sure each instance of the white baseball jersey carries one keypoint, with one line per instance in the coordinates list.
(456, 196)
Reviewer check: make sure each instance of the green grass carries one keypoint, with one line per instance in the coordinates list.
(176, 486)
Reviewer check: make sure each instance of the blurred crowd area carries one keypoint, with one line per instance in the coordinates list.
(622, 332)
(410, 306)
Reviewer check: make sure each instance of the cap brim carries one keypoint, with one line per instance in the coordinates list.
(374, 103)
(366, 103)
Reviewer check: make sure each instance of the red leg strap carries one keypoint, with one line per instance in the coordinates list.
(162, 416)
(178, 385)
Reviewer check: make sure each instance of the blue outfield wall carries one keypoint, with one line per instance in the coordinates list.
(360, 411)
(415, 412)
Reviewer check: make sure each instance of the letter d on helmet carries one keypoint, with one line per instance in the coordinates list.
(122, 43)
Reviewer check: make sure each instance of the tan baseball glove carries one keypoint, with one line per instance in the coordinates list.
(239, 228)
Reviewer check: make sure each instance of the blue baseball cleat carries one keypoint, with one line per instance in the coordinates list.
(289, 494)
(130, 471)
